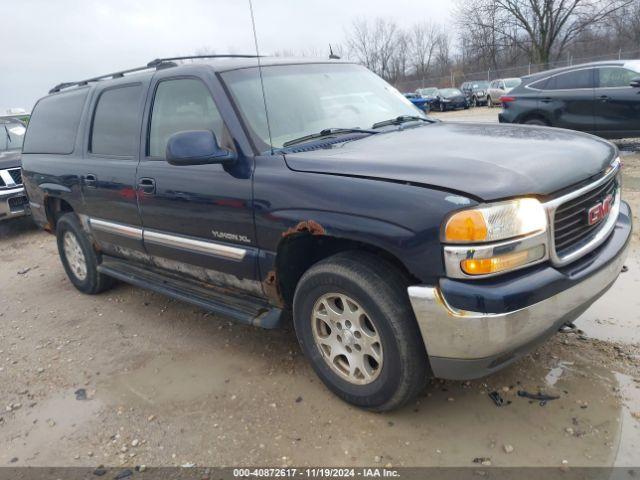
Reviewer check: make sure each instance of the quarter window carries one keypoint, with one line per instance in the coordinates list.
(181, 105)
(116, 127)
(54, 123)
(612, 77)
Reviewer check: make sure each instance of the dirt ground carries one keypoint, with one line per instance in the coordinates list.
(169, 384)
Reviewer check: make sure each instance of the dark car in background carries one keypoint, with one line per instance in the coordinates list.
(602, 98)
(450, 99)
(476, 92)
(420, 102)
(13, 201)
(430, 94)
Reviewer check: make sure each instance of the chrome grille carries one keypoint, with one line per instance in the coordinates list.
(16, 174)
(570, 226)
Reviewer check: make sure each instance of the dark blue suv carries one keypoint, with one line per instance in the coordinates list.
(313, 192)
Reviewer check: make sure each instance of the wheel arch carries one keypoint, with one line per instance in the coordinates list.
(307, 243)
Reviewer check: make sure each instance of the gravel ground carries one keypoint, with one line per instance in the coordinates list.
(129, 377)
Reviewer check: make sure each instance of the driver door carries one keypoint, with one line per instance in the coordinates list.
(197, 219)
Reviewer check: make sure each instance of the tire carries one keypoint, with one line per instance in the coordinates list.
(360, 282)
(536, 121)
(79, 258)
(489, 102)
(442, 107)
(474, 101)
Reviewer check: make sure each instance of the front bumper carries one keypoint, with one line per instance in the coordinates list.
(464, 344)
(13, 203)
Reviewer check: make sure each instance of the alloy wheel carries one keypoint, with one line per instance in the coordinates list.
(75, 256)
(347, 338)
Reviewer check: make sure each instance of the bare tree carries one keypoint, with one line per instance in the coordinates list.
(374, 44)
(423, 45)
(541, 28)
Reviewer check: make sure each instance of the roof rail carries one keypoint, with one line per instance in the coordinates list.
(158, 64)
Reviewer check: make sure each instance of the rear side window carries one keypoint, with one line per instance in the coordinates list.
(180, 105)
(116, 123)
(54, 123)
(571, 80)
(615, 77)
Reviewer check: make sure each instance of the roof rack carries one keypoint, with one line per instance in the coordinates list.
(158, 63)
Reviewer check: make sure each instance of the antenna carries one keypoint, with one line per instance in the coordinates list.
(264, 98)
(332, 55)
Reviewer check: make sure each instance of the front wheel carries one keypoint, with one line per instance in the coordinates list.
(354, 322)
(536, 121)
(79, 258)
(474, 102)
(442, 107)
(489, 102)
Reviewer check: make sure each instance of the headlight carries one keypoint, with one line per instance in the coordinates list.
(497, 221)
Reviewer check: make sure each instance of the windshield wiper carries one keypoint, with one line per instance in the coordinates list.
(327, 132)
(401, 119)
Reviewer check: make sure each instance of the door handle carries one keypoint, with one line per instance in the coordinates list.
(604, 98)
(90, 180)
(147, 186)
(546, 100)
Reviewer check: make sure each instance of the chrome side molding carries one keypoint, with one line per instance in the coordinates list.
(191, 244)
(115, 228)
(168, 240)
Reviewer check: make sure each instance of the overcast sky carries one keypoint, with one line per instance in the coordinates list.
(45, 42)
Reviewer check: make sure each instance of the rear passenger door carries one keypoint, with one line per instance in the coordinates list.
(198, 219)
(108, 171)
(567, 99)
(617, 104)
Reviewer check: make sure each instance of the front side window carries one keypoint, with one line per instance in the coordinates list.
(11, 135)
(116, 123)
(306, 99)
(180, 105)
(615, 77)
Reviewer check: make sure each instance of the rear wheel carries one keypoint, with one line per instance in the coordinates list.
(79, 258)
(355, 325)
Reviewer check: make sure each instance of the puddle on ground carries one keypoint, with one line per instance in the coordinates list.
(38, 434)
(167, 379)
(629, 452)
(616, 315)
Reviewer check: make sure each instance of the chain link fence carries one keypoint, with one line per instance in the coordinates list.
(457, 76)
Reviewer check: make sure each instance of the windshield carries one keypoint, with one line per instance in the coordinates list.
(11, 135)
(512, 82)
(308, 98)
(481, 85)
(428, 91)
(449, 92)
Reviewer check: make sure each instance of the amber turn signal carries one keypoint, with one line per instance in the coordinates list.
(500, 263)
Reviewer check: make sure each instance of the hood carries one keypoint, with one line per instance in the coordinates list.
(10, 159)
(486, 161)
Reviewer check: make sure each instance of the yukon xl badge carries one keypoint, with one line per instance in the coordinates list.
(599, 211)
(230, 236)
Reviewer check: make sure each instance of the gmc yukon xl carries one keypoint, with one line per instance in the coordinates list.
(277, 190)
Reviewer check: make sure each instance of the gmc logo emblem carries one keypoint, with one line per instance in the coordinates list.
(599, 211)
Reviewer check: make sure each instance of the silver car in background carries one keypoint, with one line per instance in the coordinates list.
(498, 88)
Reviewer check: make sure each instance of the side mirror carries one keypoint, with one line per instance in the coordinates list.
(635, 82)
(196, 147)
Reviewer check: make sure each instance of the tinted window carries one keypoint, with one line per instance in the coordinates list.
(571, 80)
(116, 127)
(615, 77)
(181, 105)
(54, 123)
